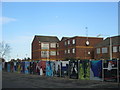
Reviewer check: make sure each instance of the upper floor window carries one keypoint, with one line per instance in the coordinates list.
(53, 45)
(73, 50)
(68, 50)
(68, 42)
(119, 48)
(73, 41)
(114, 48)
(53, 53)
(65, 43)
(98, 50)
(44, 45)
(57, 44)
(104, 50)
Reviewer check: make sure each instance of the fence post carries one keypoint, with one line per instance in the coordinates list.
(102, 70)
(118, 71)
(78, 69)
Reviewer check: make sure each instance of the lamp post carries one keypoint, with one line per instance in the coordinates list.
(110, 45)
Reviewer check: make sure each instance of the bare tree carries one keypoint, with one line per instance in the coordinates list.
(4, 49)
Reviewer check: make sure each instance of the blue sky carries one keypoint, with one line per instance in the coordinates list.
(23, 20)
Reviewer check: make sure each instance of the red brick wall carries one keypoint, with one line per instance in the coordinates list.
(35, 47)
(105, 55)
(80, 51)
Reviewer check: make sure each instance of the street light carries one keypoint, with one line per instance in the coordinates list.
(110, 47)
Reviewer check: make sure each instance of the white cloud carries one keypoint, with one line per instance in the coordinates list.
(4, 20)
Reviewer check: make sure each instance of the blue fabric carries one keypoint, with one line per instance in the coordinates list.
(96, 67)
(49, 71)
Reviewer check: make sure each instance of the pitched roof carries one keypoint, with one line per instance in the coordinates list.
(115, 41)
(64, 38)
(47, 38)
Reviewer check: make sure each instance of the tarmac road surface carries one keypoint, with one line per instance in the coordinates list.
(16, 80)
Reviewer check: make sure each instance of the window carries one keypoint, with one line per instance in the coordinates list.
(44, 54)
(73, 41)
(119, 48)
(65, 51)
(68, 50)
(115, 49)
(98, 50)
(57, 52)
(73, 50)
(44, 45)
(57, 44)
(65, 43)
(53, 53)
(68, 42)
(104, 50)
(89, 53)
(53, 45)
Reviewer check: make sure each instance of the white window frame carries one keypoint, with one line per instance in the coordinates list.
(104, 50)
(73, 50)
(65, 43)
(68, 42)
(53, 53)
(89, 52)
(57, 44)
(57, 52)
(44, 45)
(98, 50)
(73, 41)
(115, 49)
(68, 50)
(44, 54)
(65, 51)
(119, 48)
(53, 45)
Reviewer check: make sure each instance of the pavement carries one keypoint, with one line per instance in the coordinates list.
(17, 80)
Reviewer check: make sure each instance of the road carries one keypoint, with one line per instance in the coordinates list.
(16, 80)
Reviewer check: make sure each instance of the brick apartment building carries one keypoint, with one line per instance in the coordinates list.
(102, 49)
(51, 48)
(77, 47)
(44, 47)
